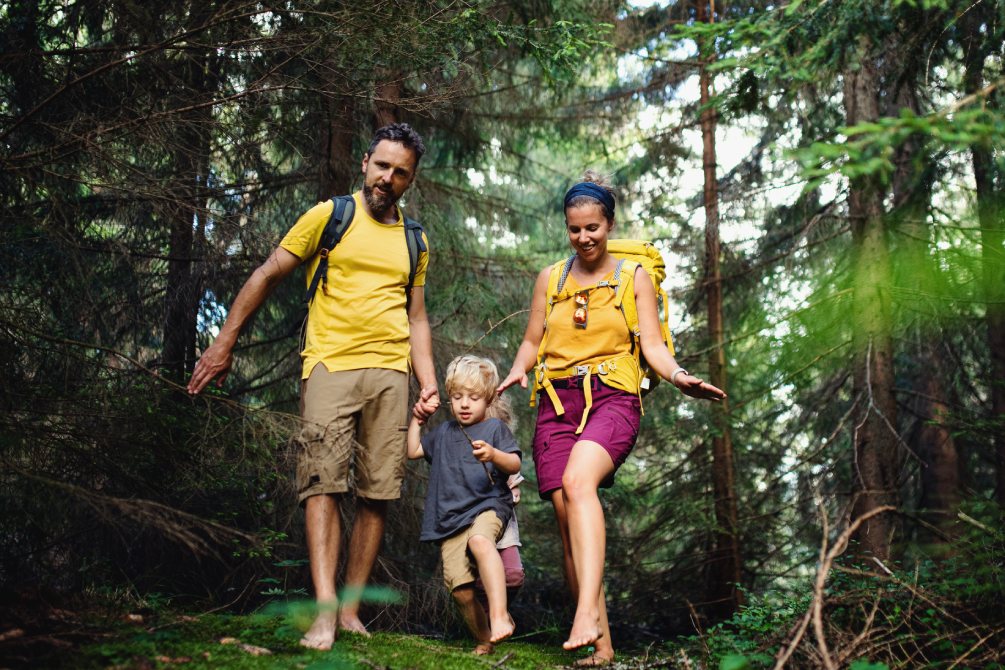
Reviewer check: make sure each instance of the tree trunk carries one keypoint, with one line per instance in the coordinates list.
(992, 224)
(187, 209)
(339, 164)
(877, 447)
(724, 595)
(932, 441)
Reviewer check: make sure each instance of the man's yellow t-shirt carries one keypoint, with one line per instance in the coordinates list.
(361, 322)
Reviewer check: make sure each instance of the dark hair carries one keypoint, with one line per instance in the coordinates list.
(576, 198)
(401, 133)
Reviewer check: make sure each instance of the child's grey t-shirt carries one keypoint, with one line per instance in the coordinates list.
(458, 488)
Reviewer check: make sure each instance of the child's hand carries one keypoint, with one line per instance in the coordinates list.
(483, 451)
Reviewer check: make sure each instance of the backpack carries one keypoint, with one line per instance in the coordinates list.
(631, 255)
(651, 260)
(343, 209)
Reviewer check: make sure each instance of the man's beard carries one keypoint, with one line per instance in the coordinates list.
(378, 201)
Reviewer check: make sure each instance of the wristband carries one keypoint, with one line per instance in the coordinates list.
(676, 372)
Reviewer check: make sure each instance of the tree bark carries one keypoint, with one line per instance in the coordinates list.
(992, 224)
(338, 163)
(877, 447)
(932, 441)
(725, 566)
(187, 209)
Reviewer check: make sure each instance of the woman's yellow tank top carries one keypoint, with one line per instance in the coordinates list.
(606, 334)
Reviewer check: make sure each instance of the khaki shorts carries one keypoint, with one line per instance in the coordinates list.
(352, 417)
(458, 565)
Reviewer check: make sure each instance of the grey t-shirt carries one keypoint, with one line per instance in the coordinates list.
(458, 489)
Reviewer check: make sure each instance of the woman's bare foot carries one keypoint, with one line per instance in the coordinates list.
(350, 623)
(502, 629)
(322, 633)
(594, 660)
(484, 648)
(585, 631)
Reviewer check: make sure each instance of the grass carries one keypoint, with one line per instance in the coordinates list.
(255, 642)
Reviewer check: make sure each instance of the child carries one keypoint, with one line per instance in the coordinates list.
(468, 502)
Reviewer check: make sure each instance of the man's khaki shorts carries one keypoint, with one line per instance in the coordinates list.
(458, 565)
(352, 416)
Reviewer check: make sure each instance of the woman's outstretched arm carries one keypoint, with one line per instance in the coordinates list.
(653, 348)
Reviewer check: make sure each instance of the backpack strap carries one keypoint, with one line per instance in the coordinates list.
(416, 245)
(343, 209)
(626, 288)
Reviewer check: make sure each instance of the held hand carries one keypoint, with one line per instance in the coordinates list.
(214, 362)
(482, 450)
(427, 404)
(696, 388)
(514, 377)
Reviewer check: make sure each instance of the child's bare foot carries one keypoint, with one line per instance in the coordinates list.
(585, 631)
(502, 629)
(484, 648)
(322, 633)
(349, 622)
(594, 660)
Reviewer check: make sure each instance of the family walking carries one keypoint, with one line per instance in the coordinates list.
(367, 328)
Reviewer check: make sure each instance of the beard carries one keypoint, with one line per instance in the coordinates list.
(379, 201)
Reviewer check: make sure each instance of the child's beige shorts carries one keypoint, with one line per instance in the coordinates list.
(458, 565)
(357, 416)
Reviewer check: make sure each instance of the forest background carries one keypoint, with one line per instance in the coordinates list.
(824, 179)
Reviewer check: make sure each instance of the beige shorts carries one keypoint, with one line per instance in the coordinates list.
(458, 565)
(357, 417)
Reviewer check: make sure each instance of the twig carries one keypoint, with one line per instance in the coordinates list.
(484, 467)
(503, 660)
(971, 649)
(814, 613)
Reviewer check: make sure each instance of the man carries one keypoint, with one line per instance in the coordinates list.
(354, 393)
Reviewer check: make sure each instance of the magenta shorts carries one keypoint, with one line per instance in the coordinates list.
(613, 423)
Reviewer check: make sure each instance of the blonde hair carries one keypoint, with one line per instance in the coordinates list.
(502, 409)
(475, 373)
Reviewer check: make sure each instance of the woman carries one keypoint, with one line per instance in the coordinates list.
(588, 420)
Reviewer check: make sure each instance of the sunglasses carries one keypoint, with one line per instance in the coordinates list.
(579, 316)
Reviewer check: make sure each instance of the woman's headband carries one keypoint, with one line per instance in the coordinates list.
(596, 192)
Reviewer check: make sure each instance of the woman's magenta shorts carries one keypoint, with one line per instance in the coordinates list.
(613, 423)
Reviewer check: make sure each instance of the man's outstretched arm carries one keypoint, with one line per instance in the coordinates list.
(215, 362)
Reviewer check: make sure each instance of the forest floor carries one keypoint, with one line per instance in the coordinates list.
(148, 641)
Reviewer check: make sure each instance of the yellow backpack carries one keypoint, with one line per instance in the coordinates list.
(634, 371)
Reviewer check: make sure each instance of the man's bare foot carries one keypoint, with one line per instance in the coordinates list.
(585, 631)
(594, 660)
(484, 648)
(322, 633)
(502, 629)
(350, 623)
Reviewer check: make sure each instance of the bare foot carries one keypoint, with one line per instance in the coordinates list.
(322, 633)
(594, 660)
(502, 629)
(350, 623)
(484, 648)
(585, 631)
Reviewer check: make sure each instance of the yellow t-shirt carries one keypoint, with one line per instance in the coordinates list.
(360, 320)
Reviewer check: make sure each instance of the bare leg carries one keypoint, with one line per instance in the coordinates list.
(588, 464)
(367, 534)
(323, 534)
(490, 569)
(474, 617)
(603, 648)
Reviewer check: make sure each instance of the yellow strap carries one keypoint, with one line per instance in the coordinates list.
(588, 391)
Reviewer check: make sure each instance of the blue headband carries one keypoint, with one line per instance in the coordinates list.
(596, 192)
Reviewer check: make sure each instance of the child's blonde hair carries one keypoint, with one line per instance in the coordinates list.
(473, 372)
